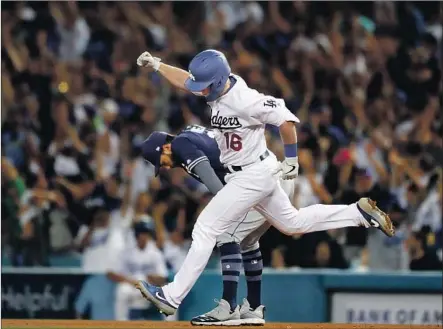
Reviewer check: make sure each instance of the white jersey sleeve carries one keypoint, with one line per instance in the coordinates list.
(271, 110)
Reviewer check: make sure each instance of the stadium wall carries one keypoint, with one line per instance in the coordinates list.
(289, 295)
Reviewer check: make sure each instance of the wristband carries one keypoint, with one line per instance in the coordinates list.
(156, 63)
(291, 150)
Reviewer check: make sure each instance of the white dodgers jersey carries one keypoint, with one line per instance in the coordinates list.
(239, 118)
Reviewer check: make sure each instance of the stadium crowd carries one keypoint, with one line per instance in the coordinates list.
(364, 78)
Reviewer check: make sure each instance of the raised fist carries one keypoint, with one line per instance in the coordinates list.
(146, 60)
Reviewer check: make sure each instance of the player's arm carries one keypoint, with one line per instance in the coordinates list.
(198, 163)
(270, 110)
(174, 75)
(288, 135)
(208, 177)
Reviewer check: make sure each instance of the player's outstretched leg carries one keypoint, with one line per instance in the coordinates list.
(279, 211)
(251, 311)
(226, 313)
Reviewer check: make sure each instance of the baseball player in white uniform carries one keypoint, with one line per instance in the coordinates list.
(238, 116)
(139, 260)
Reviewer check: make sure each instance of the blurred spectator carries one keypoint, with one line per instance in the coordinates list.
(99, 243)
(170, 237)
(13, 188)
(139, 260)
(320, 250)
(388, 254)
(140, 175)
(430, 210)
(422, 257)
(364, 185)
(328, 255)
(72, 29)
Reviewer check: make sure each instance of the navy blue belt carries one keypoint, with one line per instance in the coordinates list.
(240, 168)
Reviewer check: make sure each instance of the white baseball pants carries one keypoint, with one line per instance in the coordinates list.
(248, 231)
(255, 186)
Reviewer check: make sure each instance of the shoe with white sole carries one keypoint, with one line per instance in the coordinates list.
(375, 217)
(219, 316)
(252, 317)
(156, 296)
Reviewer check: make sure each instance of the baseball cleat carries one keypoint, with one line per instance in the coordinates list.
(219, 316)
(251, 317)
(375, 217)
(156, 296)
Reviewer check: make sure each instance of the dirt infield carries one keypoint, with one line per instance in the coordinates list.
(80, 324)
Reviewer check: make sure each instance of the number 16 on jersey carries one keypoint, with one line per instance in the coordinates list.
(233, 141)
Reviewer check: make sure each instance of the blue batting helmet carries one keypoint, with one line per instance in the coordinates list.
(144, 226)
(208, 69)
(152, 148)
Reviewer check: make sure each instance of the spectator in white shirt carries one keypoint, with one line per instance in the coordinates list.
(100, 243)
(73, 30)
(141, 260)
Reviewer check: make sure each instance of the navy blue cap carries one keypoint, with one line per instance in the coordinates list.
(146, 225)
(152, 148)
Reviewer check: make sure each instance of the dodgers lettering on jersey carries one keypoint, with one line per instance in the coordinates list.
(194, 145)
(239, 118)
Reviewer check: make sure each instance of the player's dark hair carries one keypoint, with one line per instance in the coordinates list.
(169, 139)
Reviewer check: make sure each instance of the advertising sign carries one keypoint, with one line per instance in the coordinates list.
(386, 308)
